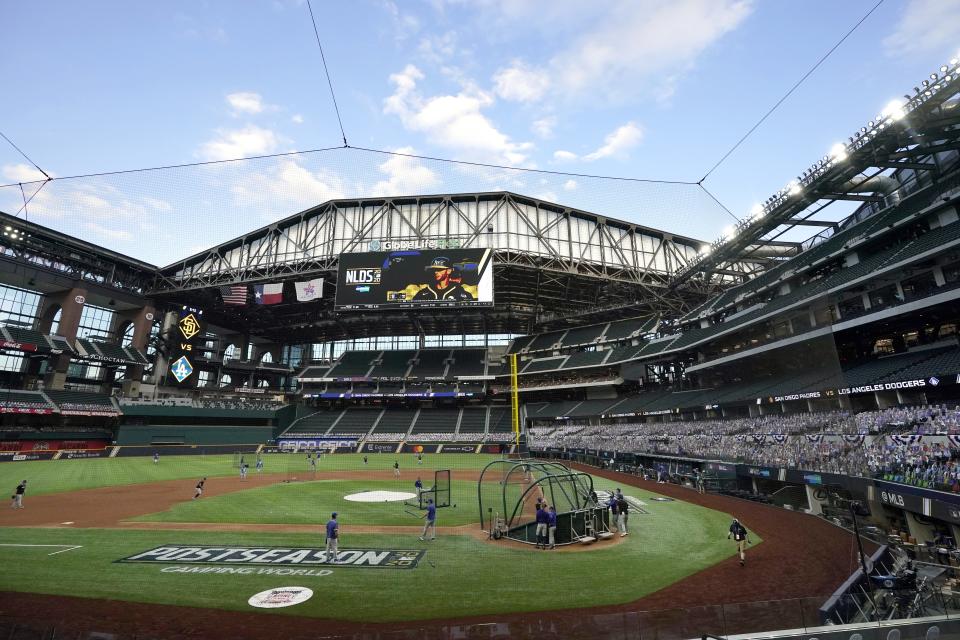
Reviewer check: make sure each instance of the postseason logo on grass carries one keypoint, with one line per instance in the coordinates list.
(279, 556)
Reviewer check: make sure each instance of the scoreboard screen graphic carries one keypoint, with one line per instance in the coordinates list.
(188, 332)
(415, 278)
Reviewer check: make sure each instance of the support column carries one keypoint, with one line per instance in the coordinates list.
(71, 308)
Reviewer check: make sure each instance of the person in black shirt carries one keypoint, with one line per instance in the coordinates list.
(446, 285)
(199, 489)
(739, 533)
(18, 495)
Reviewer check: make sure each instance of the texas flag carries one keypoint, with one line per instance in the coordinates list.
(268, 293)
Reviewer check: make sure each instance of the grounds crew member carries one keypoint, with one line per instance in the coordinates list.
(446, 285)
(333, 535)
(431, 523)
(18, 495)
(739, 533)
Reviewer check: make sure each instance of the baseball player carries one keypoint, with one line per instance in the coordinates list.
(333, 535)
(419, 458)
(313, 462)
(364, 460)
(612, 507)
(156, 457)
(199, 488)
(621, 514)
(396, 468)
(259, 464)
(446, 285)
(419, 487)
(431, 523)
(552, 526)
(739, 533)
(243, 470)
(542, 521)
(18, 495)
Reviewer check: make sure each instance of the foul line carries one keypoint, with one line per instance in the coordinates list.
(70, 547)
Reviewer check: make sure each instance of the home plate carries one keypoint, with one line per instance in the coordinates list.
(380, 496)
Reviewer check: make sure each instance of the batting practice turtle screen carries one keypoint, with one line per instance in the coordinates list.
(415, 278)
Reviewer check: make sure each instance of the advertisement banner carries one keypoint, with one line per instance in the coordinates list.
(24, 456)
(23, 410)
(415, 278)
(17, 346)
(78, 455)
(381, 447)
(459, 447)
(317, 443)
(420, 448)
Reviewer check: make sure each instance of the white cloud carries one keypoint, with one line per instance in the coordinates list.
(438, 49)
(296, 118)
(544, 126)
(21, 173)
(245, 102)
(564, 156)
(109, 233)
(521, 83)
(617, 143)
(286, 186)
(453, 121)
(405, 176)
(239, 143)
(642, 48)
(549, 196)
(570, 185)
(926, 27)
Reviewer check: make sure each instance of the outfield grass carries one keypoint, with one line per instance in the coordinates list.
(312, 502)
(57, 476)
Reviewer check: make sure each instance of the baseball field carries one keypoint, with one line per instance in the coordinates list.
(126, 529)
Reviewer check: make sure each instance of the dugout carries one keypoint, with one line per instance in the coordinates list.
(508, 489)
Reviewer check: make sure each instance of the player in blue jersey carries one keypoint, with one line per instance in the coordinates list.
(431, 523)
(333, 535)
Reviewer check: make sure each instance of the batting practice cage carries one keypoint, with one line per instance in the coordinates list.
(508, 490)
(439, 492)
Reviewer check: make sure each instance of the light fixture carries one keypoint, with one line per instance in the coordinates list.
(838, 152)
(729, 232)
(756, 211)
(705, 251)
(894, 110)
(794, 188)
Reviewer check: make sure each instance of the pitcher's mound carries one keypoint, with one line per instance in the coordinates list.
(380, 496)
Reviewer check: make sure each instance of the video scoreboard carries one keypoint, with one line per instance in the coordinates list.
(412, 278)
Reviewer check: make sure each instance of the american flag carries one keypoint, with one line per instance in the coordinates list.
(236, 294)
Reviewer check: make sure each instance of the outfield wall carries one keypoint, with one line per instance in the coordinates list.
(190, 434)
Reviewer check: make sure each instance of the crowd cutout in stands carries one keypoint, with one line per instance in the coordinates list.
(917, 445)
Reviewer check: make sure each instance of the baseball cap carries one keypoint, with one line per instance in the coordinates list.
(439, 263)
(334, 515)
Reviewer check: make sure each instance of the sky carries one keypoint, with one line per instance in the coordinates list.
(654, 90)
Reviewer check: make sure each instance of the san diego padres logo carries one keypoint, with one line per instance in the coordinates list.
(189, 326)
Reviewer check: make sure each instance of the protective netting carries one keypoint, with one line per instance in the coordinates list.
(163, 215)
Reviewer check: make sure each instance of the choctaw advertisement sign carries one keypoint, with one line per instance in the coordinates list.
(415, 278)
(274, 560)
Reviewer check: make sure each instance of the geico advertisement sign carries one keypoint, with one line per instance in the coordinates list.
(273, 556)
(886, 386)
